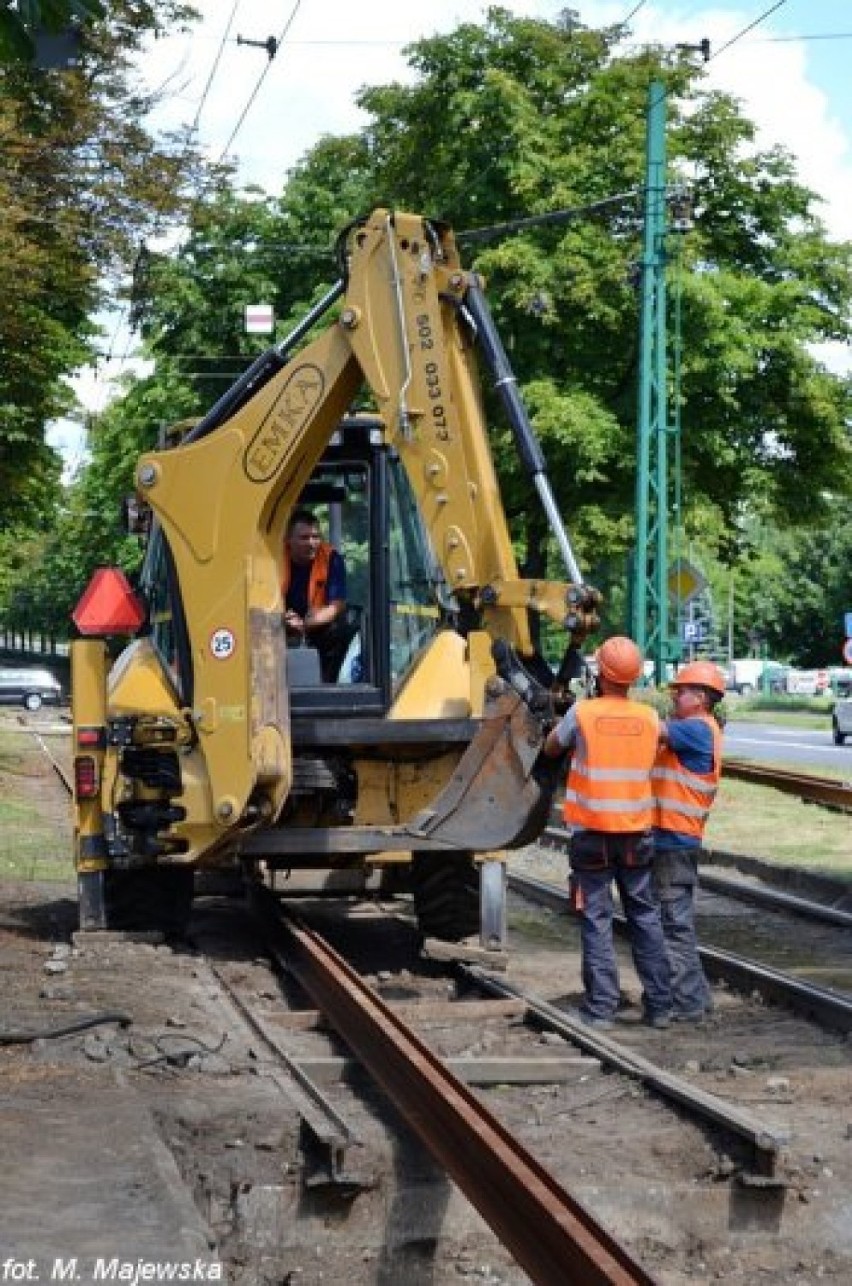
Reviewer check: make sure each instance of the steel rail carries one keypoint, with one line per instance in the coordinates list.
(766, 1144)
(331, 1131)
(826, 791)
(552, 1237)
(54, 762)
(774, 899)
(829, 1008)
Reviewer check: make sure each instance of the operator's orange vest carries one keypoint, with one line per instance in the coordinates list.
(684, 798)
(318, 578)
(609, 781)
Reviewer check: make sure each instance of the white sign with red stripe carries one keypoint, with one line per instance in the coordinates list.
(260, 319)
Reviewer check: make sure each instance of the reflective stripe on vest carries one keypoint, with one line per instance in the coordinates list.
(684, 798)
(318, 578)
(609, 780)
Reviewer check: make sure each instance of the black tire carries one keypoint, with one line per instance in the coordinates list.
(839, 737)
(446, 895)
(154, 897)
(746, 690)
(32, 701)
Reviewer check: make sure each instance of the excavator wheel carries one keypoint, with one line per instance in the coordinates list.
(154, 897)
(446, 895)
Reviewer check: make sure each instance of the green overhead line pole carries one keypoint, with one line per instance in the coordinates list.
(649, 599)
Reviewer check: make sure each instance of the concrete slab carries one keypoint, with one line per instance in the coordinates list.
(87, 1178)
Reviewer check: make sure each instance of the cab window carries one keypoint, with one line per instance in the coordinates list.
(419, 598)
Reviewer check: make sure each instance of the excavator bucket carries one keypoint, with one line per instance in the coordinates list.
(501, 793)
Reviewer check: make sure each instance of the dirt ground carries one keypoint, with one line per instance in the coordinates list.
(169, 1141)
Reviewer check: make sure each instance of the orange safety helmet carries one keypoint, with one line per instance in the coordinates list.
(619, 660)
(700, 674)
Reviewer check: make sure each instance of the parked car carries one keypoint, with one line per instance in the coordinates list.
(30, 688)
(841, 720)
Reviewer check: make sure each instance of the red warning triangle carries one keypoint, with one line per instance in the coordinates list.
(108, 605)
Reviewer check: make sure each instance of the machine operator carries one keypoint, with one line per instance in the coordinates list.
(314, 588)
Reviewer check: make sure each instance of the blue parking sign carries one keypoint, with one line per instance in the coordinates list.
(847, 624)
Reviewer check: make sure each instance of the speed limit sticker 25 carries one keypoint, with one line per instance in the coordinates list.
(223, 644)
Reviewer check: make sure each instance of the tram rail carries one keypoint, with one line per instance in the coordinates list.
(828, 792)
(552, 1236)
(828, 1007)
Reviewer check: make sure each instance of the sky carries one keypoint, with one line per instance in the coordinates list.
(790, 70)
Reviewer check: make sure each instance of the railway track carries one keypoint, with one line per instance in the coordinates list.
(828, 792)
(549, 1233)
(808, 969)
(676, 1086)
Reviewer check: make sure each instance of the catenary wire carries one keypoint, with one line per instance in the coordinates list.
(204, 95)
(261, 78)
(215, 67)
(751, 26)
(633, 12)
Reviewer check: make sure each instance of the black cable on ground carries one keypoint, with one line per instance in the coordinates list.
(50, 1033)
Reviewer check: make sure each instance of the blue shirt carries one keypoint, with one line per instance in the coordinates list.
(300, 576)
(692, 741)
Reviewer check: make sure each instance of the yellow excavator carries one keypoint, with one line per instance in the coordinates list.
(212, 741)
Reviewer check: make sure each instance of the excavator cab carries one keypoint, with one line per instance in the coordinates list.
(397, 598)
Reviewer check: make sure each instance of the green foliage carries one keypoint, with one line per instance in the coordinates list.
(81, 182)
(516, 118)
(18, 26)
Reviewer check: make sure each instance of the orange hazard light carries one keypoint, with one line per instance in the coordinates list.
(108, 605)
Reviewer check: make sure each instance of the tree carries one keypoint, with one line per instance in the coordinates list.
(518, 118)
(20, 26)
(82, 183)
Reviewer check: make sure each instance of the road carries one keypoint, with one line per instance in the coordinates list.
(769, 743)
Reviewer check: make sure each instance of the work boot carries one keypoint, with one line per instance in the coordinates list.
(598, 1022)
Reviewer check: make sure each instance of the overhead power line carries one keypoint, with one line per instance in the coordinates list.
(633, 12)
(261, 78)
(223, 42)
(751, 26)
(818, 35)
(553, 216)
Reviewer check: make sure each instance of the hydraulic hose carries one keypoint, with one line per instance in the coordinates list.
(526, 442)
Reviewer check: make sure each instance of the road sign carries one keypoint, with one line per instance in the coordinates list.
(685, 581)
(693, 632)
(847, 624)
(260, 319)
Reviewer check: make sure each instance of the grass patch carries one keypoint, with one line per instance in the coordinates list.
(760, 822)
(28, 845)
(35, 827)
(813, 713)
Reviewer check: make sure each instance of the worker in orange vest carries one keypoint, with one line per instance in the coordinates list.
(314, 588)
(609, 808)
(686, 777)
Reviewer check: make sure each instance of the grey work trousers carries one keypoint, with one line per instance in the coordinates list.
(674, 878)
